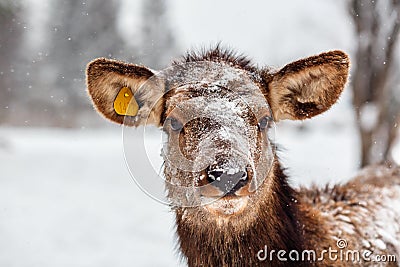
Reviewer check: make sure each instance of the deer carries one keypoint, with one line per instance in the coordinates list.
(230, 195)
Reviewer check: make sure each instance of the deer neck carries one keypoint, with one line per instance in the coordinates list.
(278, 226)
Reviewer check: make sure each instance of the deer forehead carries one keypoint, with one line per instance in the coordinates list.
(217, 89)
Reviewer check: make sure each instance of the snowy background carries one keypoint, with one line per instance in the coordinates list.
(66, 196)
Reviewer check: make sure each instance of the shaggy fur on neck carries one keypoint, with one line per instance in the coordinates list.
(278, 226)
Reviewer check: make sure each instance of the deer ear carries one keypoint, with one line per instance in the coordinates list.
(118, 92)
(308, 87)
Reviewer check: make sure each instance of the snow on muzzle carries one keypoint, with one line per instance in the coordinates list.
(219, 143)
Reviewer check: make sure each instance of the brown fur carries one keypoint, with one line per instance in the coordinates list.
(276, 215)
(207, 243)
(219, 54)
(105, 78)
(308, 87)
(359, 211)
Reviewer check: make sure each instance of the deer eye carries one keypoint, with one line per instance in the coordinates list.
(175, 124)
(264, 123)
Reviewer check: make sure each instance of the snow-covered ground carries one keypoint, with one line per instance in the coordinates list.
(67, 199)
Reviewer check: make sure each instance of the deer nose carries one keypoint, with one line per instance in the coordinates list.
(227, 181)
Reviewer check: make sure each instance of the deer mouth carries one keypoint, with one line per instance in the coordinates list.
(226, 192)
(227, 206)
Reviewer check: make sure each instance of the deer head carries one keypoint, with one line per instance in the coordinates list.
(217, 109)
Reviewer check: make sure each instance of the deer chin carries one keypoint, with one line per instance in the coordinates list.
(227, 206)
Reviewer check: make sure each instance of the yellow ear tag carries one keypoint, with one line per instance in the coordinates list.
(125, 103)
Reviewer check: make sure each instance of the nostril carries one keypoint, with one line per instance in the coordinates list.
(214, 176)
(243, 176)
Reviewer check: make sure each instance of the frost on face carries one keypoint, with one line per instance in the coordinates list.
(219, 107)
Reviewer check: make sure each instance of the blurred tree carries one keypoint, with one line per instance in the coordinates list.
(158, 45)
(80, 31)
(10, 37)
(376, 76)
